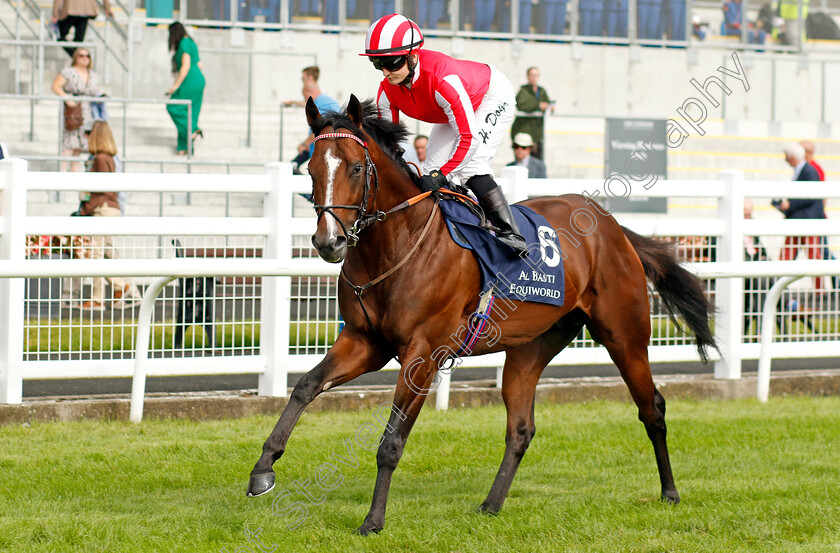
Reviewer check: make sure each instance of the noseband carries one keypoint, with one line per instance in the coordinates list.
(364, 219)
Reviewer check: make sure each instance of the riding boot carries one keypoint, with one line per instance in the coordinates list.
(498, 211)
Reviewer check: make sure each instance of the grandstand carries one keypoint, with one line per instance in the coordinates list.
(591, 78)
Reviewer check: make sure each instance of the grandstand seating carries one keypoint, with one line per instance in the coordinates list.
(575, 145)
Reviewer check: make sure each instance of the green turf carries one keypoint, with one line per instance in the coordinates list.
(55, 336)
(753, 477)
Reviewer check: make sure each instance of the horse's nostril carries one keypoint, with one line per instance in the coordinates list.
(340, 242)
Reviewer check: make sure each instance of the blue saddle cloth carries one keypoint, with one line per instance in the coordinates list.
(538, 278)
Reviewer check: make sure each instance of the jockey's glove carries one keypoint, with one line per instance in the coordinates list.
(432, 181)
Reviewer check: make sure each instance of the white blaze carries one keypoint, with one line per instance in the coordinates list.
(332, 166)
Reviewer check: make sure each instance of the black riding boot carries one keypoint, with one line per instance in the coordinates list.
(498, 211)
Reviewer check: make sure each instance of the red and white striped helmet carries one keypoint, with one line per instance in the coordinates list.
(392, 35)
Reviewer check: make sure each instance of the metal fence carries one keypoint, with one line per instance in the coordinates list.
(756, 25)
(271, 326)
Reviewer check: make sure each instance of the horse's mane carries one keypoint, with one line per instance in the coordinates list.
(386, 134)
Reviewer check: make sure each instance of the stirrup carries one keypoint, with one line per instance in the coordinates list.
(515, 241)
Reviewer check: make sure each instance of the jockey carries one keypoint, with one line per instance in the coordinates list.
(471, 105)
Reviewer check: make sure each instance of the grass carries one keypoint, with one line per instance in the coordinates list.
(59, 336)
(43, 337)
(753, 477)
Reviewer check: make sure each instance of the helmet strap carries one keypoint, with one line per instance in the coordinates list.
(411, 66)
(410, 63)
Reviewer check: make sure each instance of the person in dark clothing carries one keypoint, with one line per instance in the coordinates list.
(75, 14)
(801, 209)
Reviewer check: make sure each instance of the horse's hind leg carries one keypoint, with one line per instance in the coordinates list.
(523, 367)
(625, 331)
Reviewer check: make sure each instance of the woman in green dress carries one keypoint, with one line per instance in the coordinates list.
(189, 84)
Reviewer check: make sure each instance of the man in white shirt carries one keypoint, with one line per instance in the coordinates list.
(522, 144)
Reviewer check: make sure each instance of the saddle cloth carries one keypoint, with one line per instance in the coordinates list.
(537, 278)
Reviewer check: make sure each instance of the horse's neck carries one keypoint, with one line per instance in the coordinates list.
(385, 243)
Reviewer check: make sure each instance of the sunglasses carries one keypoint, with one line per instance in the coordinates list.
(518, 147)
(84, 55)
(391, 63)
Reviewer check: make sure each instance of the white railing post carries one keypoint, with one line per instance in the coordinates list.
(768, 327)
(276, 291)
(730, 291)
(13, 252)
(442, 391)
(514, 183)
(141, 347)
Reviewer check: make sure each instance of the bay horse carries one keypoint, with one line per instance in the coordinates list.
(406, 287)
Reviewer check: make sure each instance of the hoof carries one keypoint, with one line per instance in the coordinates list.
(367, 529)
(671, 497)
(489, 509)
(260, 484)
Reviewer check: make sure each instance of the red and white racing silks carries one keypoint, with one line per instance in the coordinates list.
(444, 90)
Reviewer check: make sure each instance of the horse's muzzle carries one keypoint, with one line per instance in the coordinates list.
(333, 250)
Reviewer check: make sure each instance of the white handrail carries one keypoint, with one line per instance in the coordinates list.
(278, 226)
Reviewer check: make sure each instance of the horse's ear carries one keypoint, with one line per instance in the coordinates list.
(312, 113)
(354, 110)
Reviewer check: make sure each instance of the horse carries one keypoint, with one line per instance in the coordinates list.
(406, 287)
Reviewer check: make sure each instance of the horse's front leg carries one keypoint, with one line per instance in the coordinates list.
(352, 354)
(414, 384)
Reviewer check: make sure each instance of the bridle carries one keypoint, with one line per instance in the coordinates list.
(364, 219)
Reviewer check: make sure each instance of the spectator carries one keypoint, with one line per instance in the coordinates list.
(420, 143)
(531, 104)
(331, 11)
(381, 8)
(788, 10)
(592, 17)
(524, 17)
(189, 84)
(649, 19)
(698, 29)
(675, 19)
(801, 209)
(733, 19)
(809, 148)
(75, 14)
(617, 18)
(78, 79)
(429, 12)
(324, 103)
(522, 144)
(103, 148)
(485, 10)
(553, 16)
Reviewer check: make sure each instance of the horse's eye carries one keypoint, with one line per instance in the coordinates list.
(357, 169)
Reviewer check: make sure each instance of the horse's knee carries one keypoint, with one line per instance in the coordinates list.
(519, 438)
(659, 402)
(306, 389)
(654, 421)
(389, 452)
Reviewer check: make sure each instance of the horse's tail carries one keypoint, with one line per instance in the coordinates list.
(681, 292)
